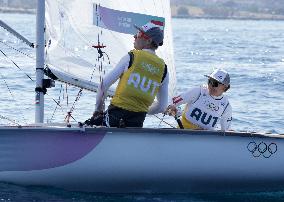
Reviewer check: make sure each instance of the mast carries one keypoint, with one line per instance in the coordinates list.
(39, 96)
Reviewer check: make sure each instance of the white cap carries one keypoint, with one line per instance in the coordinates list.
(221, 76)
(151, 24)
(153, 29)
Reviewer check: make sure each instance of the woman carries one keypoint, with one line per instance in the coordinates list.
(206, 106)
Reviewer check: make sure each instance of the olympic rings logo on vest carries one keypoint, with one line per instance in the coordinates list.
(213, 107)
(262, 149)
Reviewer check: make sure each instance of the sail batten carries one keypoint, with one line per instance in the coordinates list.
(78, 82)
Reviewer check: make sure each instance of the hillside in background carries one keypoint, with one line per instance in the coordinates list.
(18, 6)
(232, 9)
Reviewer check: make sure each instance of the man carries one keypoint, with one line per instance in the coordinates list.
(206, 106)
(143, 76)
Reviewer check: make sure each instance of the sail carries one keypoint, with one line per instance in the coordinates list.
(86, 38)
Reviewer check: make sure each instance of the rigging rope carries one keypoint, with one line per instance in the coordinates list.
(57, 104)
(164, 121)
(76, 100)
(100, 52)
(16, 65)
(11, 47)
(24, 118)
(16, 34)
(11, 120)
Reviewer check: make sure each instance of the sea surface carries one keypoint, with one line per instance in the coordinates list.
(251, 51)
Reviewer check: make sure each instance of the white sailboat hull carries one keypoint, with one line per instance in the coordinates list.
(142, 160)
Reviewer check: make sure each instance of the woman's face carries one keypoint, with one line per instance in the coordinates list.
(215, 87)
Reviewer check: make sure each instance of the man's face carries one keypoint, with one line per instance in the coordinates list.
(141, 40)
(215, 88)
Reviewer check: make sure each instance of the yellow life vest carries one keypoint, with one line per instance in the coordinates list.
(186, 123)
(139, 85)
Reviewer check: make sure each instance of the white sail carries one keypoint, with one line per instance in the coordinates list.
(77, 30)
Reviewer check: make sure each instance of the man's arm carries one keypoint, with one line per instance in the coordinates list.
(187, 97)
(162, 98)
(108, 80)
(226, 118)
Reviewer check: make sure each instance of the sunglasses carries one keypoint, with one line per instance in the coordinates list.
(213, 83)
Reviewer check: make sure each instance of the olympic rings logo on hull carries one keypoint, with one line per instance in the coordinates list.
(262, 149)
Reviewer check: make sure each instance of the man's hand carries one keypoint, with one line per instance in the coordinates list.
(97, 113)
(171, 110)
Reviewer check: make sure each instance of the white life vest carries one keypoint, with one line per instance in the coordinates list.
(206, 111)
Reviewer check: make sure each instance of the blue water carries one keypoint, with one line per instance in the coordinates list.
(251, 51)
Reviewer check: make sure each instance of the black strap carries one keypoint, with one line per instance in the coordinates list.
(165, 73)
(179, 122)
(131, 55)
(225, 109)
